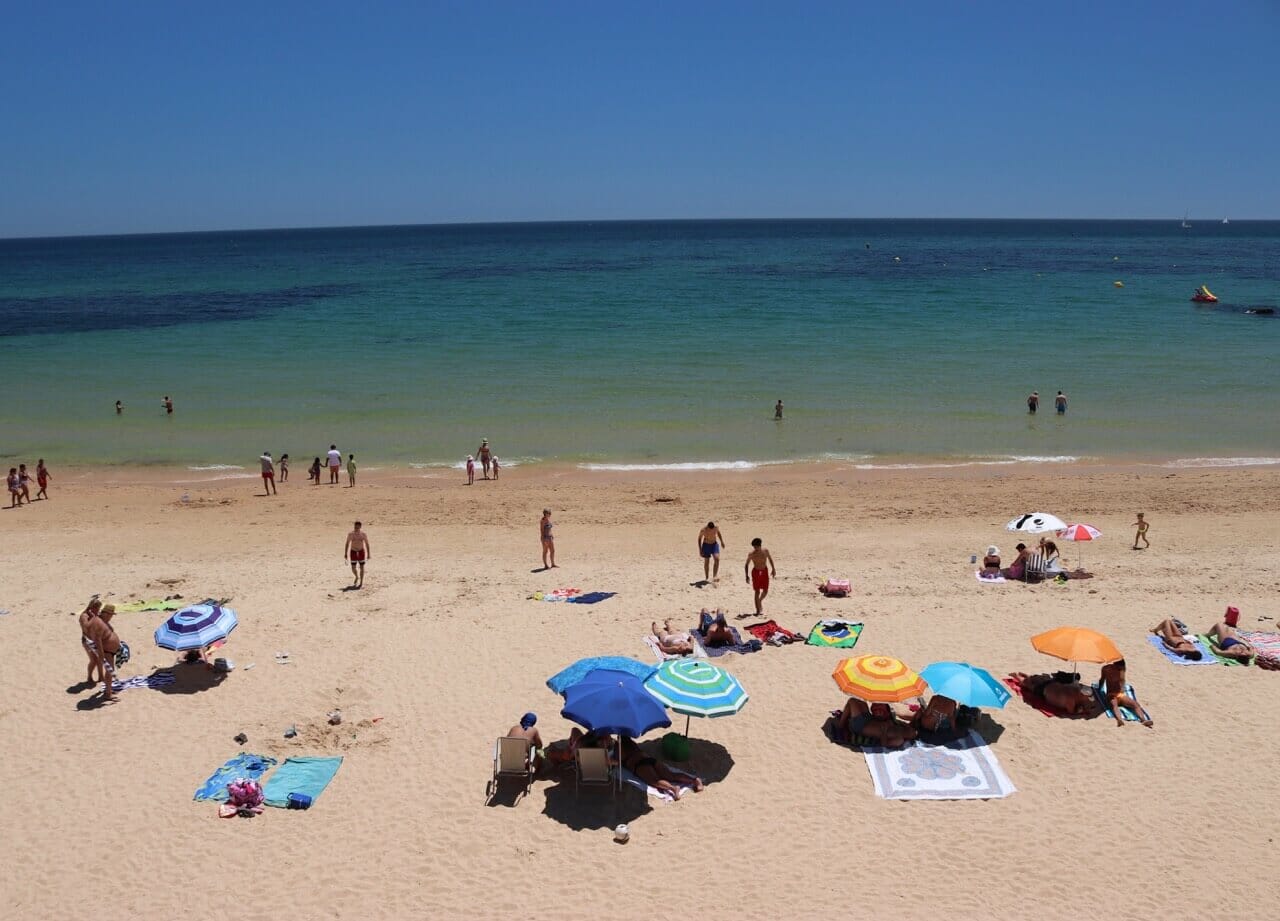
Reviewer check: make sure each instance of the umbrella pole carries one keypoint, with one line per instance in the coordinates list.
(686, 725)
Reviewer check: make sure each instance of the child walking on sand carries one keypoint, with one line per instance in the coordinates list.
(493, 461)
(471, 470)
(1141, 524)
(314, 474)
(284, 468)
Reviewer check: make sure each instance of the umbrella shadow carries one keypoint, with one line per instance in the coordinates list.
(191, 678)
(593, 808)
(711, 761)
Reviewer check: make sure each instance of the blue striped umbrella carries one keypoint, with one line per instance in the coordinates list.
(196, 627)
(696, 688)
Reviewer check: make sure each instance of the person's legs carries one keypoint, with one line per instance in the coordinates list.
(715, 575)
(92, 676)
(1131, 704)
(108, 671)
(360, 581)
(355, 578)
(758, 598)
(706, 567)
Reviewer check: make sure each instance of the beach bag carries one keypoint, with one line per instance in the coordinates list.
(122, 654)
(245, 795)
(836, 588)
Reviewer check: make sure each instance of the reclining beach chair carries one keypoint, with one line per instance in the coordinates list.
(1036, 569)
(512, 758)
(592, 769)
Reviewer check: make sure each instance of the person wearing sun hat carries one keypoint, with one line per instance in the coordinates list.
(525, 729)
(483, 453)
(991, 562)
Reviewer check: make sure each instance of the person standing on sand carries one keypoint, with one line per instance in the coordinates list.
(101, 639)
(548, 542)
(351, 470)
(94, 674)
(758, 568)
(357, 550)
(710, 543)
(15, 488)
(1060, 403)
(1141, 524)
(777, 410)
(42, 479)
(284, 468)
(268, 474)
(119, 408)
(168, 405)
(485, 454)
(24, 480)
(1033, 402)
(494, 461)
(314, 473)
(335, 461)
(471, 470)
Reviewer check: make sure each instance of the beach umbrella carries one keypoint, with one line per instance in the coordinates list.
(878, 679)
(613, 702)
(696, 688)
(1076, 644)
(1036, 523)
(1079, 532)
(965, 684)
(196, 627)
(570, 676)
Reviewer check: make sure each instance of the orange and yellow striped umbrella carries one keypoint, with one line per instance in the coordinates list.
(878, 679)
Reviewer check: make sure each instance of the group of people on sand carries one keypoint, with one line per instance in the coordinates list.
(941, 719)
(712, 628)
(757, 569)
(102, 645)
(333, 461)
(623, 751)
(1224, 642)
(19, 483)
(1062, 691)
(1050, 561)
(488, 462)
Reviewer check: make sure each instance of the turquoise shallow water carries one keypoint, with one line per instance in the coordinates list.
(645, 343)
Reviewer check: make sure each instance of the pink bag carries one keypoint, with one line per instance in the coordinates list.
(836, 588)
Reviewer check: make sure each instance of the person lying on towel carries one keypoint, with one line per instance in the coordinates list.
(672, 643)
(1228, 645)
(652, 771)
(1060, 691)
(1174, 635)
(876, 722)
(714, 629)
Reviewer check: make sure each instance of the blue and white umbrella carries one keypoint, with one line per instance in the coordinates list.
(196, 627)
(696, 688)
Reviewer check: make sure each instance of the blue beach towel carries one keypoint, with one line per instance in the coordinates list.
(1129, 715)
(300, 775)
(1206, 658)
(590, 598)
(250, 767)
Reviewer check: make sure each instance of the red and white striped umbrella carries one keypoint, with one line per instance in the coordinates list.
(1080, 532)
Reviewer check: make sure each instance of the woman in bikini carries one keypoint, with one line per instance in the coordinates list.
(670, 642)
(1228, 645)
(1174, 635)
(991, 562)
(654, 772)
(94, 674)
(1115, 690)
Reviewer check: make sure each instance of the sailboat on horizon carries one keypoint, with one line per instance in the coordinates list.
(1186, 225)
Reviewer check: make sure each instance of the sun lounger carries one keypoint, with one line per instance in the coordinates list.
(512, 758)
(592, 769)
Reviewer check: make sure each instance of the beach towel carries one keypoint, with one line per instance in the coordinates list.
(837, 634)
(990, 580)
(572, 596)
(1207, 656)
(1029, 697)
(153, 681)
(300, 775)
(1267, 644)
(160, 604)
(652, 642)
(590, 597)
(1129, 715)
(767, 631)
(962, 769)
(630, 778)
(714, 652)
(1203, 640)
(250, 767)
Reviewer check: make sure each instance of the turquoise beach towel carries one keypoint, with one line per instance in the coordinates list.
(1129, 715)
(250, 767)
(300, 775)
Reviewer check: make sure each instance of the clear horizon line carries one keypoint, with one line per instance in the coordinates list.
(628, 220)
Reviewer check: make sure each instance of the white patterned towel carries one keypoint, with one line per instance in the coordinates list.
(964, 769)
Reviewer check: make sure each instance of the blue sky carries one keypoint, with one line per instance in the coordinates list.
(133, 117)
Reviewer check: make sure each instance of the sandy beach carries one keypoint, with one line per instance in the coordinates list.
(443, 649)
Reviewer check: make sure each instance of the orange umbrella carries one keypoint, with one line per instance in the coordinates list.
(878, 679)
(1076, 644)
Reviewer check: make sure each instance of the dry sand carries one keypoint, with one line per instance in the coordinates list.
(443, 645)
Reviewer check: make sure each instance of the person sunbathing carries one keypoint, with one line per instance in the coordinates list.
(1060, 691)
(654, 772)
(940, 716)
(1018, 568)
(1174, 636)
(564, 752)
(991, 562)
(1226, 644)
(525, 729)
(876, 722)
(670, 642)
(714, 629)
(1114, 689)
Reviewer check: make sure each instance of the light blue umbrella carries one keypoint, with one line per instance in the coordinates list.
(965, 684)
(563, 680)
(696, 688)
(196, 627)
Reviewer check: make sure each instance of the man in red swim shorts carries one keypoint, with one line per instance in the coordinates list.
(268, 474)
(357, 550)
(758, 568)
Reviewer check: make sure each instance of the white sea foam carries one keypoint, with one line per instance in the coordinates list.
(219, 467)
(1000, 460)
(692, 465)
(1188, 462)
(504, 463)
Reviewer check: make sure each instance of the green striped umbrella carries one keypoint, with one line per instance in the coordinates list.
(695, 687)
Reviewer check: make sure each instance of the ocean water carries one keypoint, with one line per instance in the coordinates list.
(646, 344)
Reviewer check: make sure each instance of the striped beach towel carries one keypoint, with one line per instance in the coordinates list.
(153, 681)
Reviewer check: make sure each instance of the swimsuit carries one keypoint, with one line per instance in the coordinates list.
(1229, 642)
(357, 556)
(760, 579)
(710, 550)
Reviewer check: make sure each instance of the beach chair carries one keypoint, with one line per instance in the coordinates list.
(592, 769)
(512, 758)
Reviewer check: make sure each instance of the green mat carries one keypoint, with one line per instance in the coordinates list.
(1208, 644)
(837, 634)
(134, 607)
